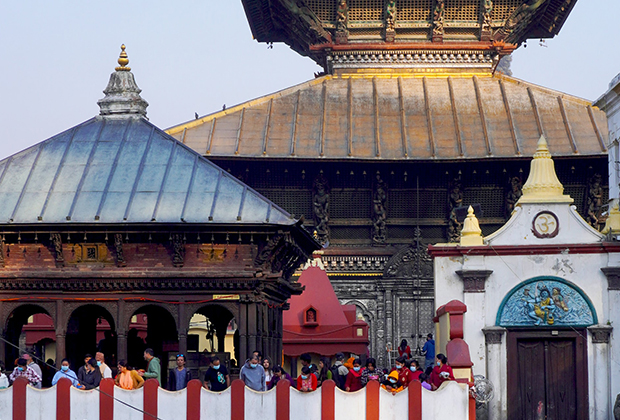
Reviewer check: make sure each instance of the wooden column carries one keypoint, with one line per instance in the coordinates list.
(183, 343)
(243, 331)
(61, 331)
(61, 349)
(121, 345)
(252, 327)
(121, 331)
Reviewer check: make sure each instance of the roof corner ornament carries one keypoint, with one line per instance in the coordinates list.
(543, 185)
(471, 235)
(122, 95)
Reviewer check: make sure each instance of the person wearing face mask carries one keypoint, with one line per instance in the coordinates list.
(106, 372)
(66, 372)
(404, 374)
(441, 372)
(354, 378)
(93, 375)
(216, 377)
(278, 375)
(26, 371)
(306, 382)
(415, 369)
(391, 383)
(253, 374)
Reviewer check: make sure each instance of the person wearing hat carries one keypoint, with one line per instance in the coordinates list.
(391, 384)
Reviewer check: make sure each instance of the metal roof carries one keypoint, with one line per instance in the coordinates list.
(113, 170)
(400, 118)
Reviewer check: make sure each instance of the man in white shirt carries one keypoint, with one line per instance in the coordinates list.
(106, 372)
(35, 367)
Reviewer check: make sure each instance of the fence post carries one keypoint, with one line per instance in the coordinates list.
(372, 400)
(283, 400)
(193, 399)
(19, 398)
(150, 388)
(63, 399)
(415, 400)
(328, 400)
(237, 400)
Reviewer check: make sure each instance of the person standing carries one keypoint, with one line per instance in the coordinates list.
(128, 378)
(415, 369)
(66, 372)
(429, 351)
(404, 349)
(404, 374)
(339, 371)
(268, 371)
(216, 377)
(83, 370)
(106, 372)
(4, 381)
(324, 371)
(179, 377)
(441, 372)
(278, 375)
(26, 371)
(92, 379)
(153, 368)
(32, 365)
(354, 378)
(371, 373)
(253, 374)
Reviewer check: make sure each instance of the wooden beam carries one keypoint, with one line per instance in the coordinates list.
(567, 127)
(403, 118)
(429, 121)
(482, 117)
(457, 129)
(511, 123)
(267, 127)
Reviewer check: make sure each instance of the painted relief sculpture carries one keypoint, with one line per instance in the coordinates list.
(545, 303)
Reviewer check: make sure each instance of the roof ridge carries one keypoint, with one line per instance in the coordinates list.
(256, 101)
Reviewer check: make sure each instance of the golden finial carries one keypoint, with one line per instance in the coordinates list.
(471, 235)
(543, 185)
(123, 60)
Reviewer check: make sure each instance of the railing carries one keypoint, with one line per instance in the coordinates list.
(64, 402)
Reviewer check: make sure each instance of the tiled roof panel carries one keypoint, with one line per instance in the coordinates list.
(401, 118)
(124, 170)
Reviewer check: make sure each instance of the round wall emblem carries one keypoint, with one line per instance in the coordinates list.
(545, 225)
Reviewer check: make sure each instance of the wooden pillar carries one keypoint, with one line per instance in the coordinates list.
(278, 335)
(61, 349)
(243, 332)
(61, 331)
(183, 343)
(182, 329)
(252, 327)
(121, 331)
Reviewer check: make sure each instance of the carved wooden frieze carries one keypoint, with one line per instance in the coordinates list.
(118, 247)
(57, 243)
(438, 20)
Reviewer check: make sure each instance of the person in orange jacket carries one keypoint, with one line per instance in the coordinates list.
(391, 384)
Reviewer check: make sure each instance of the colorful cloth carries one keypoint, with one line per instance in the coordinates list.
(28, 373)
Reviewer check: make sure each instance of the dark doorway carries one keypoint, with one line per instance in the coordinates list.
(212, 332)
(31, 328)
(87, 330)
(547, 375)
(153, 327)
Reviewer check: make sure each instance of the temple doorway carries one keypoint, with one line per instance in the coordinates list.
(212, 332)
(31, 328)
(88, 327)
(547, 374)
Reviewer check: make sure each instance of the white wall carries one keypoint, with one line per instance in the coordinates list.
(6, 404)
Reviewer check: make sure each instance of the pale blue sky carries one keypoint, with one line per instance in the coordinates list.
(195, 55)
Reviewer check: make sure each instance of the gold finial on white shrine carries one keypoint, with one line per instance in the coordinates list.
(471, 235)
(612, 224)
(543, 185)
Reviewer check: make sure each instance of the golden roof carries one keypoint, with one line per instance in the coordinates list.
(387, 117)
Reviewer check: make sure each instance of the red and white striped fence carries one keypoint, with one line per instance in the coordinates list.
(64, 402)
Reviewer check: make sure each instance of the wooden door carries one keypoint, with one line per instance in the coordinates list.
(547, 376)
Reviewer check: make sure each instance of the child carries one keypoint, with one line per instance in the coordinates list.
(391, 384)
(424, 379)
(306, 382)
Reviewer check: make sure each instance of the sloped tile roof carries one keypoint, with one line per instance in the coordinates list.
(439, 118)
(124, 170)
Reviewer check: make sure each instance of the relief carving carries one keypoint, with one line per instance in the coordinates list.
(379, 212)
(178, 250)
(410, 262)
(57, 242)
(342, 22)
(320, 208)
(512, 196)
(487, 10)
(455, 201)
(594, 202)
(118, 247)
(438, 15)
(390, 18)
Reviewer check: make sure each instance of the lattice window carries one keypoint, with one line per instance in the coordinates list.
(323, 9)
(503, 8)
(366, 10)
(350, 204)
(298, 203)
(462, 10)
(426, 318)
(414, 10)
(491, 200)
(348, 233)
(407, 319)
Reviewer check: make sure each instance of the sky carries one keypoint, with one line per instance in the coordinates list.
(196, 55)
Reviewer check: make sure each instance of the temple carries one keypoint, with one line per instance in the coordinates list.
(414, 118)
(114, 235)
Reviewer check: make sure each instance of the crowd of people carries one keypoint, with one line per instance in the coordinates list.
(258, 372)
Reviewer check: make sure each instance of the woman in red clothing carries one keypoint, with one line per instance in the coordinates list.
(415, 369)
(404, 374)
(306, 382)
(354, 378)
(404, 349)
(441, 373)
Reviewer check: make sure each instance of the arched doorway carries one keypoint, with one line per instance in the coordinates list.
(91, 328)
(152, 326)
(31, 328)
(212, 331)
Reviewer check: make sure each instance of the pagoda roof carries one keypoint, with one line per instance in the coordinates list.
(118, 168)
(401, 118)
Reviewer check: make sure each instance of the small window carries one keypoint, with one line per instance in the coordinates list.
(311, 317)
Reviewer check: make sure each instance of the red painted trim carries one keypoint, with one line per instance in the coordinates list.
(106, 399)
(481, 46)
(63, 399)
(457, 251)
(472, 408)
(372, 400)
(150, 398)
(19, 398)
(193, 399)
(456, 326)
(454, 307)
(415, 400)
(328, 400)
(283, 400)
(237, 400)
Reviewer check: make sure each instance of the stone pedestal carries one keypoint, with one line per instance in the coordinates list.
(493, 339)
(601, 373)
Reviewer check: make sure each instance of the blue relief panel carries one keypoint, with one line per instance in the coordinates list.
(546, 302)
